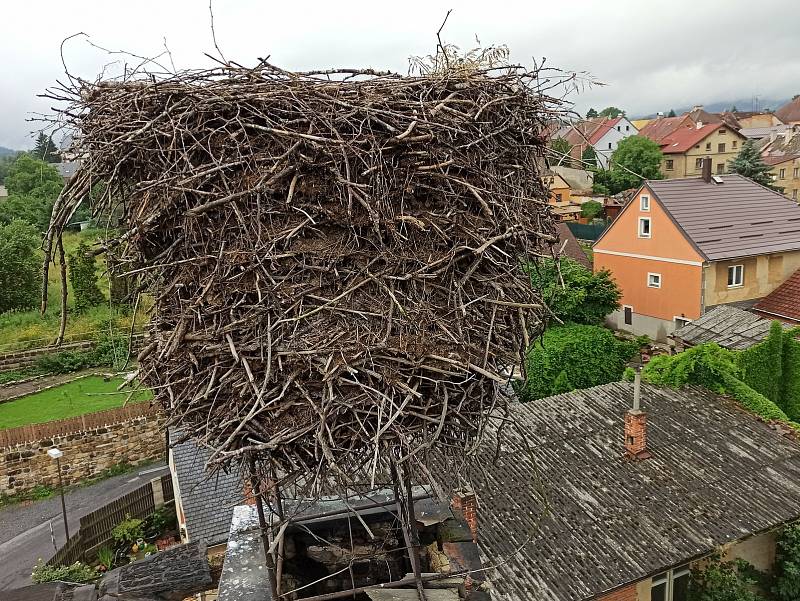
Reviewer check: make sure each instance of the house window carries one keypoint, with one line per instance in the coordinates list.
(782, 174)
(627, 128)
(708, 145)
(644, 227)
(698, 163)
(670, 164)
(735, 143)
(794, 194)
(721, 168)
(721, 147)
(609, 145)
(672, 585)
(796, 172)
(722, 132)
(644, 202)
(628, 311)
(619, 128)
(559, 197)
(735, 276)
(654, 280)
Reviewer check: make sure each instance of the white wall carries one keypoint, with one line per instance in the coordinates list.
(613, 137)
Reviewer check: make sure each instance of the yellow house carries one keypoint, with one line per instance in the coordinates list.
(559, 190)
(686, 147)
(786, 174)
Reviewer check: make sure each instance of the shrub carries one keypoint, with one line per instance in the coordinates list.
(106, 557)
(77, 572)
(723, 581)
(128, 531)
(761, 364)
(19, 266)
(591, 209)
(584, 297)
(574, 356)
(83, 277)
(786, 584)
(790, 380)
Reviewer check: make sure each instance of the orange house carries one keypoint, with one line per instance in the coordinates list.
(683, 246)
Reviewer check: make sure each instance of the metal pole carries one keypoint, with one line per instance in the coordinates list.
(63, 504)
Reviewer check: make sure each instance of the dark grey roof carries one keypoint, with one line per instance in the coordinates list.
(208, 501)
(567, 516)
(728, 326)
(737, 218)
(67, 169)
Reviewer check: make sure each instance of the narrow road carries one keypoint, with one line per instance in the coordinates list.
(25, 529)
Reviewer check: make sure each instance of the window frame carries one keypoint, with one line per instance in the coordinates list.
(653, 280)
(698, 164)
(796, 172)
(721, 148)
(708, 146)
(782, 173)
(640, 232)
(669, 164)
(732, 270)
(667, 579)
(625, 311)
(644, 202)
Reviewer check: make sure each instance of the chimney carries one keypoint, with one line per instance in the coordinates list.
(707, 170)
(466, 502)
(636, 424)
(698, 124)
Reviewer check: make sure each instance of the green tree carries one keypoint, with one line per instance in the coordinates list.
(734, 109)
(635, 159)
(588, 158)
(723, 581)
(671, 113)
(611, 112)
(574, 356)
(45, 150)
(750, 164)
(83, 277)
(786, 584)
(591, 209)
(591, 114)
(19, 266)
(583, 297)
(33, 186)
(562, 149)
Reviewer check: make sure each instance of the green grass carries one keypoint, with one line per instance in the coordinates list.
(85, 395)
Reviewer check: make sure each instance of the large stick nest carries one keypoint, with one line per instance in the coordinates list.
(336, 264)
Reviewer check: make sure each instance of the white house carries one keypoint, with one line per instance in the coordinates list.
(601, 134)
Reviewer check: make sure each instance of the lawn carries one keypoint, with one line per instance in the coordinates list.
(85, 395)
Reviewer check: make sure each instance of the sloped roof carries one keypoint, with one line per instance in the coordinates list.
(588, 131)
(566, 516)
(658, 129)
(737, 218)
(684, 138)
(783, 302)
(570, 246)
(603, 129)
(776, 159)
(730, 327)
(208, 500)
(790, 111)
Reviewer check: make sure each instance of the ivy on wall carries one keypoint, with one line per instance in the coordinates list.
(761, 365)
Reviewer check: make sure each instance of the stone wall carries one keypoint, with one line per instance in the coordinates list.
(122, 437)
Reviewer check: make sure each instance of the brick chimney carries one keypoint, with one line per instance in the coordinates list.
(707, 170)
(466, 502)
(636, 424)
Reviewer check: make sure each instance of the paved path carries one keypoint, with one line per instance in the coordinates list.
(25, 529)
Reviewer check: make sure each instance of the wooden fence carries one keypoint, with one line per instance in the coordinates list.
(74, 425)
(95, 529)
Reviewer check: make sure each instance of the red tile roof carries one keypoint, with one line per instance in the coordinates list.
(683, 138)
(602, 130)
(773, 159)
(783, 302)
(590, 130)
(658, 129)
(790, 111)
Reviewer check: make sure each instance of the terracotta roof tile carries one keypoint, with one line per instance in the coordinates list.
(658, 129)
(784, 301)
(683, 138)
(790, 111)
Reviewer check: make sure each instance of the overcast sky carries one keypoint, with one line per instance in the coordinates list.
(652, 55)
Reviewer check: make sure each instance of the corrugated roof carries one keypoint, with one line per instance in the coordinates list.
(566, 516)
(784, 301)
(730, 327)
(737, 218)
(208, 501)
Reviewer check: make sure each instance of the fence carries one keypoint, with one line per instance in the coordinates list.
(95, 529)
(12, 358)
(74, 425)
(587, 231)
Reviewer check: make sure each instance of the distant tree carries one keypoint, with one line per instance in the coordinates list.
(734, 109)
(33, 186)
(588, 158)
(83, 277)
(562, 149)
(591, 114)
(750, 164)
(573, 293)
(671, 113)
(611, 112)
(635, 159)
(591, 209)
(45, 150)
(19, 266)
